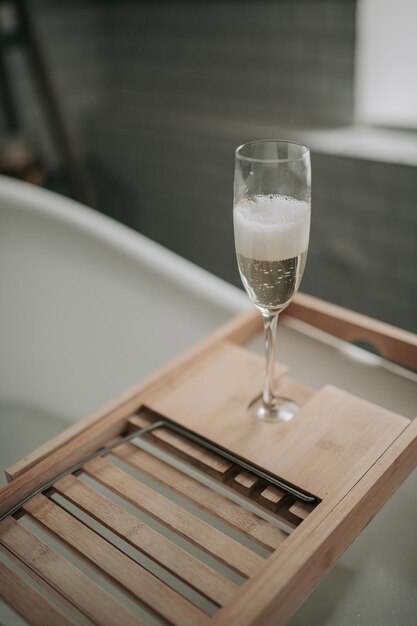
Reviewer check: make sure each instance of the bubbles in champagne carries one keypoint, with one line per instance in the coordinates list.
(271, 228)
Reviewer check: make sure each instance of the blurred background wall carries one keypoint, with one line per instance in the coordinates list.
(157, 95)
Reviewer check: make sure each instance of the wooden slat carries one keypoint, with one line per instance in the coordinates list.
(183, 448)
(245, 482)
(393, 343)
(176, 560)
(155, 594)
(236, 516)
(195, 454)
(294, 512)
(300, 510)
(78, 615)
(28, 602)
(293, 571)
(214, 542)
(272, 497)
(69, 581)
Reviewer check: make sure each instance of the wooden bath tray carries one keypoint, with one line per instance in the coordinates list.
(205, 515)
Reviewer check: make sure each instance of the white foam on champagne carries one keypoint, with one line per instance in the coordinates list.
(271, 228)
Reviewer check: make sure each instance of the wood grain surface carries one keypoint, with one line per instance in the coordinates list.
(214, 542)
(68, 580)
(347, 452)
(199, 576)
(333, 439)
(290, 574)
(246, 522)
(35, 609)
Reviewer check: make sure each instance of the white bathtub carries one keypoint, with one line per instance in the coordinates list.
(88, 307)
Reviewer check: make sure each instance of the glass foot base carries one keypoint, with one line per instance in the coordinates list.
(283, 410)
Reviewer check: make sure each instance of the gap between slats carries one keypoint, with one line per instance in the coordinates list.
(10, 617)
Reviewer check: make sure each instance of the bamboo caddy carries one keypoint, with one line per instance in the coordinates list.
(272, 506)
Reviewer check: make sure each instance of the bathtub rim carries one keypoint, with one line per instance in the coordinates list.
(134, 245)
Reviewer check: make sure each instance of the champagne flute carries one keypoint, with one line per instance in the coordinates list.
(271, 215)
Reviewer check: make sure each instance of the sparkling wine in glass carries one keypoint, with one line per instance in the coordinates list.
(271, 215)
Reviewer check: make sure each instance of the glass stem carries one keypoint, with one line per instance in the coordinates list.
(270, 326)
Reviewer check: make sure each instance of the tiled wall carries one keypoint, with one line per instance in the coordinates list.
(275, 60)
(158, 94)
(283, 60)
(70, 36)
(363, 252)
(363, 249)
